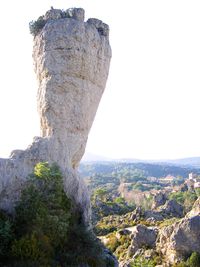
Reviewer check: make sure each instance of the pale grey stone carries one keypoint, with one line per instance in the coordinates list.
(177, 241)
(71, 59)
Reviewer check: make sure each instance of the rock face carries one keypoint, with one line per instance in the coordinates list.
(171, 209)
(179, 240)
(159, 200)
(142, 236)
(71, 60)
(195, 209)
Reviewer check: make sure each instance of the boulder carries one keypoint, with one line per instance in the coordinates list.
(159, 200)
(142, 236)
(137, 214)
(171, 209)
(178, 241)
(153, 216)
(122, 232)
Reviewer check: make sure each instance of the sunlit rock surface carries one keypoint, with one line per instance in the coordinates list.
(71, 59)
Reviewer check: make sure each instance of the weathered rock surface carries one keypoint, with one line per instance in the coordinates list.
(171, 209)
(142, 236)
(159, 200)
(195, 209)
(71, 63)
(179, 240)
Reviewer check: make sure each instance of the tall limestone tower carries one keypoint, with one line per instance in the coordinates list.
(71, 59)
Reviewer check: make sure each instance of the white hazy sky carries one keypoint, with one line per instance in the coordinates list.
(150, 108)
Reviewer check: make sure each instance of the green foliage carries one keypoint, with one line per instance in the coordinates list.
(186, 199)
(140, 262)
(146, 202)
(139, 186)
(33, 248)
(36, 26)
(132, 171)
(6, 234)
(197, 191)
(82, 248)
(43, 216)
(122, 250)
(43, 171)
(100, 193)
(180, 264)
(178, 196)
(119, 200)
(44, 206)
(190, 198)
(47, 229)
(194, 260)
(113, 242)
(168, 222)
(104, 203)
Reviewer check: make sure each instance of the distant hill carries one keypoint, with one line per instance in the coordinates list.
(193, 162)
(89, 157)
(147, 169)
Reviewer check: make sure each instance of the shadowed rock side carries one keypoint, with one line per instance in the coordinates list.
(71, 59)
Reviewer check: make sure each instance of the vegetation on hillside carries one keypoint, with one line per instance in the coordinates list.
(46, 229)
(133, 170)
(186, 199)
(122, 196)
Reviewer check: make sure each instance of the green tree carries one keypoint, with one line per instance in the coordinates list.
(194, 260)
(42, 216)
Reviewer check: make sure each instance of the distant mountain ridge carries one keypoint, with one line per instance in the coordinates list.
(190, 161)
(89, 157)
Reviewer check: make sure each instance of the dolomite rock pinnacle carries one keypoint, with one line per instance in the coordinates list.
(71, 59)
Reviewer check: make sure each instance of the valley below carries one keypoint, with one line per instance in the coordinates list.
(146, 214)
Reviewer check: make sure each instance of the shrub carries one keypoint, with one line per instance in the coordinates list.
(186, 199)
(36, 26)
(47, 228)
(180, 264)
(169, 222)
(82, 247)
(6, 234)
(43, 216)
(194, 260)
(33, 248)
(113, 242)
(197, 191)
(139, 262)
(119, 200)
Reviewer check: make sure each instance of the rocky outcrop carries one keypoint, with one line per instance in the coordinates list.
(71, 60)
(195, 209)
(171, 209)
(159, 200)
(178, 241)
(142, 236)
(173, 243)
